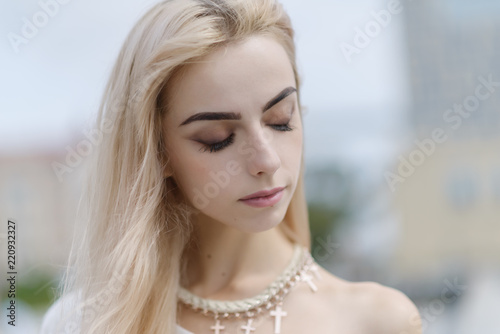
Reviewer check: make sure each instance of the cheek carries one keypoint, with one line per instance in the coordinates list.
(199, 175)
(190, 170)
(290, 144)
(291, 151)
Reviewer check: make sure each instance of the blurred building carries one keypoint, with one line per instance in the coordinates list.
(450, 44)
(43, 208)
(448, 186)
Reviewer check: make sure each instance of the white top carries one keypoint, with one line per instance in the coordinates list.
(57, 322)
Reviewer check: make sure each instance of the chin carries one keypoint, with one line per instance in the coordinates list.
(255, 229)
(263, 222)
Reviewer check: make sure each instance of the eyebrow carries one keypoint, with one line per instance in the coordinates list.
(216, 116)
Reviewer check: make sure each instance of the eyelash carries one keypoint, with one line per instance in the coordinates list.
(229, 140)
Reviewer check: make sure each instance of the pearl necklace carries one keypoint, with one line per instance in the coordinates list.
(297, 271)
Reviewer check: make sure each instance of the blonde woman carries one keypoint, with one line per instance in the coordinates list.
(196, 220)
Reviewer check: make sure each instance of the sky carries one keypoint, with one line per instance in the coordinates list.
(51, 86)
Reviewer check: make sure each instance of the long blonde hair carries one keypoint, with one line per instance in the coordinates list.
(127, 255)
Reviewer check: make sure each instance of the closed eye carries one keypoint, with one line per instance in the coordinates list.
(229, 140)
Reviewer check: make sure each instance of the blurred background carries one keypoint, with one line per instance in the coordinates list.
(402, 143)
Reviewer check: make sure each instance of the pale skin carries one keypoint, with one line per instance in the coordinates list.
(241, 250)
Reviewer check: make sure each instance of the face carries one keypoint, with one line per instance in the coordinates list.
(233, 128)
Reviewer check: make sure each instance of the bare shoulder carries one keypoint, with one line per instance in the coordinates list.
(381, 309)
(389, 310)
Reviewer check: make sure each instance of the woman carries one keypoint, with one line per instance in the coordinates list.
(197, 220)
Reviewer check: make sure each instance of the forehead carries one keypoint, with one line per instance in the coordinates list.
(235, 77)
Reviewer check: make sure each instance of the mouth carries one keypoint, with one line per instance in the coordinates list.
(273, 197)
(263, 194)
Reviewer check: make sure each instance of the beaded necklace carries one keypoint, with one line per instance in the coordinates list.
(248, 309)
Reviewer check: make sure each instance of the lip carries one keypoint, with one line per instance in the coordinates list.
(263, 201)
(262, 193)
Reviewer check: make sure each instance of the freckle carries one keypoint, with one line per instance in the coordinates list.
(223, 274)
(209, 256)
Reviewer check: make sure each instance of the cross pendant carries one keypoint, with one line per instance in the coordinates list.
(307, 278)
(315, 270)
(217, 327)
(248, 327)
(278, 313)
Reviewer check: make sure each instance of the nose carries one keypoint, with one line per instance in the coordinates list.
(264, 158)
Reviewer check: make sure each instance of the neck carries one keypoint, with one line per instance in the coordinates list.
(228, 264)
